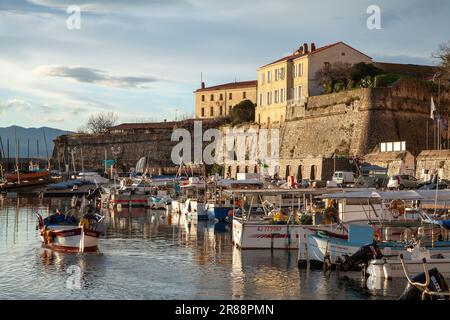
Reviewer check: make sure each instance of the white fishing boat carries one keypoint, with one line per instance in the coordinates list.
(392, 219)
(65, 233)
(92, 177)
(259, 224)
(319, 247)
(391, 266)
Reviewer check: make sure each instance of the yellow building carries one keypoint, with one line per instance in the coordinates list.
(290, 80)
(218, 101)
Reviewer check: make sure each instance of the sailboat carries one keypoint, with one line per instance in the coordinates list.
(33, 173)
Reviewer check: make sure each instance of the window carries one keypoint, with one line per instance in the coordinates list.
(276, 74)
(221, 110)
(203, 112)
(282, 73)
(327, 65)
(229, 109)
(276, 96)
(260, 99)
(268, 98)
(244, 95)
(281, 95)
(268, 76)
(203, 98)
(221, 97)
(230, 96)
(211, 111)
(299, 92)
(300, 69)
(212, 97)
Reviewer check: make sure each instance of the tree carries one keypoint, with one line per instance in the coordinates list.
(341, 76)
(443, 55)
(101, 122)
(244, 111)
(334, 77)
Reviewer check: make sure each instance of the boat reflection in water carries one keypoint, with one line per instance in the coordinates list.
(150, 254)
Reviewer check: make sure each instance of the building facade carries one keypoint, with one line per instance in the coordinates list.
(289, 81)
(218, 101)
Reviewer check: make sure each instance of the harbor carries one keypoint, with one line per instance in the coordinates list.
(168, 259)
(225, 159)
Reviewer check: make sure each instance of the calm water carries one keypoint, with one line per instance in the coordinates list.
(147, 255)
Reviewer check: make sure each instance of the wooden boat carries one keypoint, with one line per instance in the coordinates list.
(62, 233)
(27, 175)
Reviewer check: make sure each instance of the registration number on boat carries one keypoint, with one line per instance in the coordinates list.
(269, 228)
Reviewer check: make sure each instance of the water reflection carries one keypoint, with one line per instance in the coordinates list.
(153, 254)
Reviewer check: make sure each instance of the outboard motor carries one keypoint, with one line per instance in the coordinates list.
(437, 284)
(360, 257)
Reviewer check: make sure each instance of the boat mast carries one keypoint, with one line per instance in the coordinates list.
(46, 149)
(17, 156)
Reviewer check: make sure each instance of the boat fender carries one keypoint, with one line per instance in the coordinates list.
(387, 270)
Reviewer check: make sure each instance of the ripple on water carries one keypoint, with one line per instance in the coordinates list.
(142, 257)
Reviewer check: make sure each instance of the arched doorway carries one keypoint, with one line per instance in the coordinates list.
(299, 174)
(288, 171)
(313, 173)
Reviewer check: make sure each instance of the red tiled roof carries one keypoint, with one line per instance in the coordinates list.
(297, 55)
(231, 85)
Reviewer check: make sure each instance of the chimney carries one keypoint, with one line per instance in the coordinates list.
(299, 50)
(203, 85)
(313, 47)
(305, 48)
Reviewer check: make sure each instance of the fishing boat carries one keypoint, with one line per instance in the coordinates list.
(33, 173)
(261, 224)
(67, 233)
(92, 177)
(392, 219)
(191, 202)
(391, 266)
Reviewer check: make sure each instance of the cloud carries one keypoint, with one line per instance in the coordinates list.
(95, 76)
(77, 110)
(15, 104)
(101, 6)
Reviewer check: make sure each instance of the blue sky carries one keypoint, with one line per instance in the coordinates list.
(142, 59)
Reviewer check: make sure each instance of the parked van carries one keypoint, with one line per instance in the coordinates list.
(344, 177)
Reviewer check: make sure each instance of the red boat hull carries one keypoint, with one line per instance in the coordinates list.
(12, 177)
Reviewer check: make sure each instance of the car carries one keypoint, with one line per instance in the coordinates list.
(377, 181)
(432, 186)
(402, 181)
(344, 177)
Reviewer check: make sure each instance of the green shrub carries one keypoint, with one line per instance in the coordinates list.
(244, 111)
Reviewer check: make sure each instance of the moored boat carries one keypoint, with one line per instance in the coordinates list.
(66, 233)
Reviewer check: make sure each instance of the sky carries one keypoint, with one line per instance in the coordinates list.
(143, 59)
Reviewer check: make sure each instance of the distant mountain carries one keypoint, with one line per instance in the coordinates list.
(35, 136)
